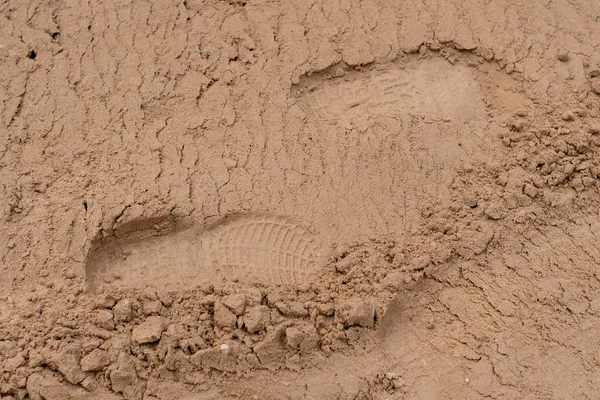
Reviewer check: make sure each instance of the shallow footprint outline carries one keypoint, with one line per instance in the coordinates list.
(252, 248)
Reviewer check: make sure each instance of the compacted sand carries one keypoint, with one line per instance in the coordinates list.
(299, 199)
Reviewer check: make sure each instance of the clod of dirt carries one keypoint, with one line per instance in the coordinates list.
(221, 358)
(8, 348)
(224, 317)
(393, 280)
(293, 337)
(310, 341)
(421, 262)
(596, 85)
(292, 309)
(236, 303)
(256, 318)
(148, 331)
(530, 190)
(96, 360)
(123, 310)
(358, 312)
(123, 377)
(105, 301)
(11, 364)
(152, 307)
(104, 319)
(67, 363)
(40, 387)
(270, 351)
(495, 210)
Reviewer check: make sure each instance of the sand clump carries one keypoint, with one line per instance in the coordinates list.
(235, 328)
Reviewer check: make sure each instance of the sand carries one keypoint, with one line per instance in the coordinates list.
(299, 200)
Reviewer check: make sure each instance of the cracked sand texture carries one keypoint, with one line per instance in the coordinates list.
(446, 153)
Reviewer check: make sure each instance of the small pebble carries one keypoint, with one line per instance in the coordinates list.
(225, 348)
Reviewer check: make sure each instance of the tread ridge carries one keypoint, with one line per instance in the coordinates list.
(270, 250)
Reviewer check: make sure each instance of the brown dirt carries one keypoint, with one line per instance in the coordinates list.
(299, 200)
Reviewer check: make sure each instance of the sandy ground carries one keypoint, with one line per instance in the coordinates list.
(254, 199)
